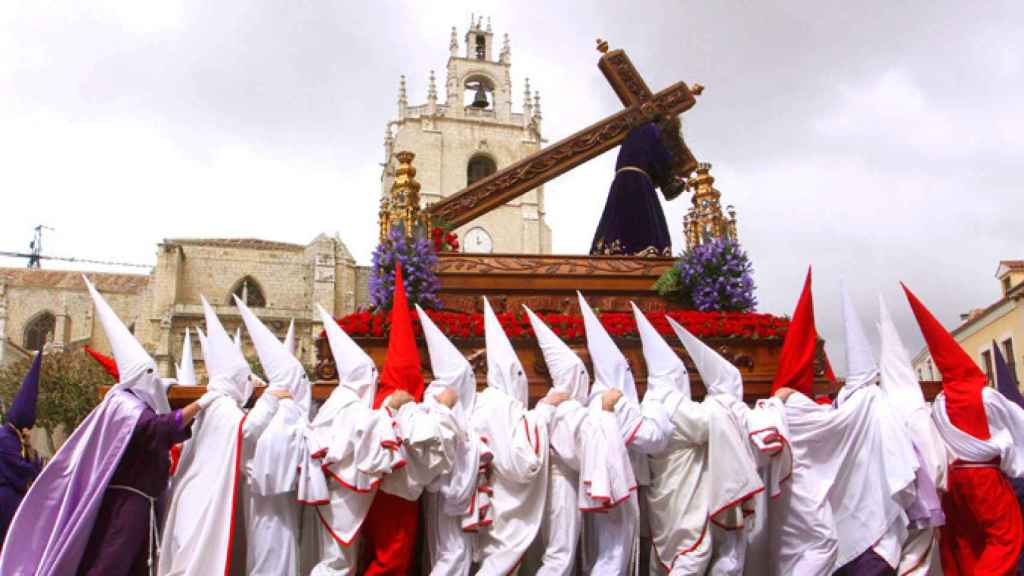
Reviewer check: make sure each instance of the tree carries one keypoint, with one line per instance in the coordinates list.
(68, 390)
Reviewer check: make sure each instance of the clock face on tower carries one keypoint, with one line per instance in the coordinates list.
(478, 241)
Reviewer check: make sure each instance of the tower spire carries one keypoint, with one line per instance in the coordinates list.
(403, 101)
(453, 44)
(506, 51)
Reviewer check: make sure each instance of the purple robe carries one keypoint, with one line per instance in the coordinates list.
(633, 222)
(868, 563)
(120, 539)
(15, 474)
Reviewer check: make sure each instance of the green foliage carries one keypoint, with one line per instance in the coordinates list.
(670, 286)
(68, 389)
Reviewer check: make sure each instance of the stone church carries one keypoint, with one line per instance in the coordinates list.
(466, 137)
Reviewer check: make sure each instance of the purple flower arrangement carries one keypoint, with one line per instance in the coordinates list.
(715, 276)
(418, 259)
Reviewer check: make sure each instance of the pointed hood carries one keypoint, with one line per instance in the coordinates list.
(136, 367)
(504, 370)
(185, 370)
(281, 367)
(106, 362)
(796, 361)
(611, 370)
(718, 374)
(447, 364)
(202, 342)
(962, 381)
(22, 411)
(896, 373)
(356, 370)
(665, 370)
(237, 339)
(289, 338)
(227, 369)
(402, 369)
(1005, 381)
(567, 370)
(861, 367)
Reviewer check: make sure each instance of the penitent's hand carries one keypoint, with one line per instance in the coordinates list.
(280, 393)
(555, 397)
(448, 397)
(610, 398)
(398, 399)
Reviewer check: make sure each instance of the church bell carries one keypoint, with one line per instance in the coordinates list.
(480, 98)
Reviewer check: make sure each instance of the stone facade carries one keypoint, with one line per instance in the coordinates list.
(283, 281)
(448, 135)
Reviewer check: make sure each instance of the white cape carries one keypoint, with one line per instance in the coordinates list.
(1006, 426)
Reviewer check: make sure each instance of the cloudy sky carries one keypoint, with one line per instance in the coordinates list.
(878, 141)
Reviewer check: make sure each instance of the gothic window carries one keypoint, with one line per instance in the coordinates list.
(481, 47)
(39, 330)
(480, 166)
(986, 361)
(248, 291)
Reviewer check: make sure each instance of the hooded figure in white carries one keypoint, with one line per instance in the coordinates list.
(457, 504)
(206, 508)
(854, 472)
(703, 481)
(519, 440)
(186, 370)
(612, 538)
(920, 554)
(589, 465)
(289, 339)
(272, 515)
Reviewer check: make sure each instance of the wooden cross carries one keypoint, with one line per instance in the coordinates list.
(513, 181)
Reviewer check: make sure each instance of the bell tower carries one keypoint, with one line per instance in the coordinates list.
(469, 135)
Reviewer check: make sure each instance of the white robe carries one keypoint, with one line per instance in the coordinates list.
(453, 511)
(853, 475)
(207, 493)
(705, 476)
(273, 517)
(563, 521)
(519, 440)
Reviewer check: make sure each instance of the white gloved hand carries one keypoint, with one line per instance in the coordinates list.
(208, 398)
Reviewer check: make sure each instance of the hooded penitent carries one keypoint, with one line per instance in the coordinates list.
(51, 530)
(459, 503)
(186, 370)
(519, 440)
(796, 361)
(567, 370)
(22, 411)
(272, 524)
(199, 534)
(706, 471)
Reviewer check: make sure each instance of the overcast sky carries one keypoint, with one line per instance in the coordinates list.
(879, 141)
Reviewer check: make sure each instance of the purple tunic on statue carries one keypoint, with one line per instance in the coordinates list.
(15, 474)
(119, 543)
(633, 222)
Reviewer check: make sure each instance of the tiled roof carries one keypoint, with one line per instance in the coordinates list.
(250, 243)
(1015, 265)
(72, 280)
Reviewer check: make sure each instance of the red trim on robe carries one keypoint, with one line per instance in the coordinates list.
(733, 504)
(234, 496)
(632, 435)
(330, 531)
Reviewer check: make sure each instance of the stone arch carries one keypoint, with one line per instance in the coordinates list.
(249, 291)
(39, 330)
(480, 165)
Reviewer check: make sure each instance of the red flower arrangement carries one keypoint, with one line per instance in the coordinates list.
(570, 326)
(444, 240)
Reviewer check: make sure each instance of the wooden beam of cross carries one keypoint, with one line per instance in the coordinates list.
(548, 163)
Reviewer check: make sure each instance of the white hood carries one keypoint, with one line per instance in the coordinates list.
(861, 368)
(719, 376)
(137, 369)
(611, 370)
(504, 370)
(356, 370)
(186, 370)
(567, 370)
(448, 365)
(226, 367)
(289, 338)
(665, 370)
(283, 370)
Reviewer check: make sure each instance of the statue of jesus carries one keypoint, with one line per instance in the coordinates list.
(633, 222)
